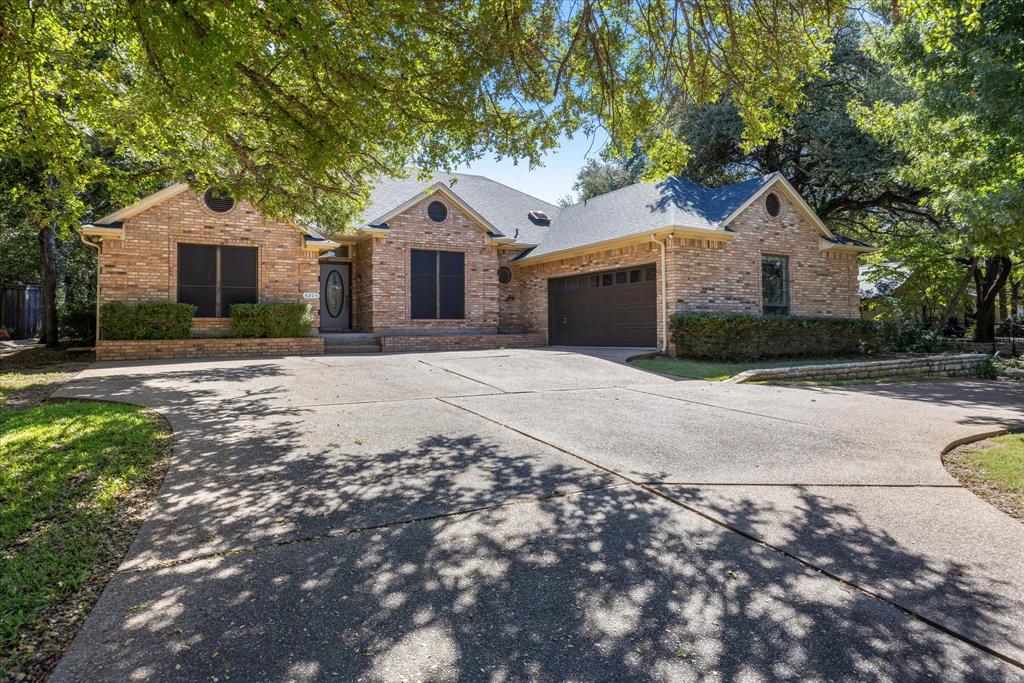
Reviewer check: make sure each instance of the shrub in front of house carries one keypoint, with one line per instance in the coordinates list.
(271, 320)
(150, 320)
(902, 333)
(117, 321)
(747, 337)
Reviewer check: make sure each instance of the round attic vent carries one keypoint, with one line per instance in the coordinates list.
(217, 200)
(504, 275)
(437, 212)
(772, 204)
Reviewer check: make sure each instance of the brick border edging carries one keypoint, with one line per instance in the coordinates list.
(156, 349)
(947, 365)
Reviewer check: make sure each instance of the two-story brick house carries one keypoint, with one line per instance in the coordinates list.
(460, 261)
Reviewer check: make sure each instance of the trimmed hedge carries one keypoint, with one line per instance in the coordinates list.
(271, 320)
(904, 334)
(746, 337)
(152, 320)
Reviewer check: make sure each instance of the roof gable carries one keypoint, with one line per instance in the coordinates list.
(777, 182)
(445, 191)
(503, 209)
(149, 201)
(106, 226)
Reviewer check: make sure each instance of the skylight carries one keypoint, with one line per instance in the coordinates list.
(539, 217)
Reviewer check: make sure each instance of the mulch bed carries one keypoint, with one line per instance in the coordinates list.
(37, 357)
(1010, 502)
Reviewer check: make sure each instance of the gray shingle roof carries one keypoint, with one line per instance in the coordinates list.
(626, 212)
(645, 206)
(846, 241)
(503, 207)
(881, 280)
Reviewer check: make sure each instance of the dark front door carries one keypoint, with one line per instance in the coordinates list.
(335, 296)
(611, 308)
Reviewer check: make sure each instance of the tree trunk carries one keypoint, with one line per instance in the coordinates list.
(988, 282)
(951, 307)
(1015, 302)
(48, 267)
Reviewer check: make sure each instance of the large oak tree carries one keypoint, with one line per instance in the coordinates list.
(962, 132)
(296, 106)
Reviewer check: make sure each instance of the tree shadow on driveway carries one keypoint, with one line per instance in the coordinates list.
(610, 584)
(466, 554)
(909, 546)
(972, 397)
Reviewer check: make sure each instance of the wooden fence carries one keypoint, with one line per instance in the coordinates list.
(21, 310)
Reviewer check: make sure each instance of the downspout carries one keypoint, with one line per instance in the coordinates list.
(89, 243)
(664, 295)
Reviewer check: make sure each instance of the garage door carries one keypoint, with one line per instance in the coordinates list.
(610, 308)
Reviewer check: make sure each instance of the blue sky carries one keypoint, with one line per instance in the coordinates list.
(550, 181)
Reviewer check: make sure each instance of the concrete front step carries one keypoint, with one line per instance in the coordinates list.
(350, 347)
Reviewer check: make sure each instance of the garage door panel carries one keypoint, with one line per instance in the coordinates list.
(610, 308)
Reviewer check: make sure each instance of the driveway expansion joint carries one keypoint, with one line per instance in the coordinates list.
(459, 374)
(257, 547)
(801, 485)
(967, 640)
(719, 407)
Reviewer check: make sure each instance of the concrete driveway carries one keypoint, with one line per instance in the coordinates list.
(552, 515)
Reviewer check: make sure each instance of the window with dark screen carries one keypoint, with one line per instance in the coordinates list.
(775, 285)
(238, 277)
(437, 285)
(212, 278)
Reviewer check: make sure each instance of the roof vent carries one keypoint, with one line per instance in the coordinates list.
(218, 200)
(540, 218)
(772, 204)
(437, 211)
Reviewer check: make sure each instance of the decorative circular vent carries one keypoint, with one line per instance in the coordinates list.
(437, 212)
(219, 201)
(772, 204)
(504, 275)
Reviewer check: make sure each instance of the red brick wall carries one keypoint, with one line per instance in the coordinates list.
(702, 275)
(207, 348)
(413, 229)
(459, 342)
(144, 265)
(362, 285)
(509, 295)
(726, 276)
(211, 327)
(717, 276)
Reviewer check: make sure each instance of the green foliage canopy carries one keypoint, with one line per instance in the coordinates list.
(961, 132)
(296, 105)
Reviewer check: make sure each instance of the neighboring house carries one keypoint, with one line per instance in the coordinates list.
(879, 286)
(461, 255)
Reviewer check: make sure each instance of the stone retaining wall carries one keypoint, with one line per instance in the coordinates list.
(1003, 347)
(151, 349)
(963, 365)
(460, 342)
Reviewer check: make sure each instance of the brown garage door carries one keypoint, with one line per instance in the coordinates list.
(610, 308)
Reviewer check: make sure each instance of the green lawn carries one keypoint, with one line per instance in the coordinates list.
(994, 470)
(71, 481)
(1000, 462)
(717, 372)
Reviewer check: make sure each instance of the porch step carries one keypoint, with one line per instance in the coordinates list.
(342, 350)
(336, 345)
